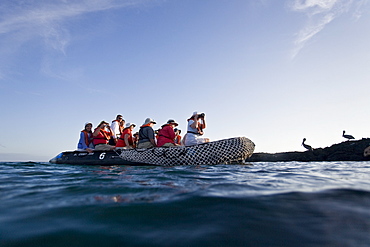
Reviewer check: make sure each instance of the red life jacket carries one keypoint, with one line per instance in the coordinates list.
(166, 135)
(121, 140)
(101, 138)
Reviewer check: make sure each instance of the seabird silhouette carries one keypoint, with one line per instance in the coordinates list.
(308, 147)
(349, 137)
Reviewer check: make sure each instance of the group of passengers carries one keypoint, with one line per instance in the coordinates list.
(119, 135)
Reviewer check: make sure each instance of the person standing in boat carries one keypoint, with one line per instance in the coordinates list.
(85, 142)
(166, 134)
(125, 141)
(115, 128)
(101, 137)
(196, 125)
(146, 134)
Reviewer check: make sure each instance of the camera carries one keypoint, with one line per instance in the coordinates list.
(201, 115)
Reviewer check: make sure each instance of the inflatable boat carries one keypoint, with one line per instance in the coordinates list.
(233, 150)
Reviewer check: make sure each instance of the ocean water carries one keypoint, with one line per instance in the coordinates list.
(259, 204)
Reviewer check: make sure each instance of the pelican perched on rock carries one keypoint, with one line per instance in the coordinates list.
(349, 137)
(308, 147)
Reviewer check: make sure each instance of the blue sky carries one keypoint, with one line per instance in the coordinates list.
(273, 71)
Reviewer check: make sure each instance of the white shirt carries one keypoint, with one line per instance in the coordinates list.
(115, 129)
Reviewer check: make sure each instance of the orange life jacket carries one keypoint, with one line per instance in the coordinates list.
(145, 125)
(178, 139)
(86, 135)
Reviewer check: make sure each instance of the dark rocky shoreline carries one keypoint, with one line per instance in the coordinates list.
(344, 151)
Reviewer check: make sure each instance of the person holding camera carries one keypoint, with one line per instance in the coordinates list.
(196, 125)
(101, 137)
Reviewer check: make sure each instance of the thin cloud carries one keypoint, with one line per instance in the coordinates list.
(47, 22)
(320, 13)
(311, 30)
(316, 6)
(45, 18)
(360, 9)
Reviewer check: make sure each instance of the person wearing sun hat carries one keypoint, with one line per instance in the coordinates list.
(85, 142)
(146, 134)
(125, 141)
(166, 135)
(196, 125)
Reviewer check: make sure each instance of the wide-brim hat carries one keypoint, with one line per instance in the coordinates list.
(130, 124)
(149, 120)
(87, 123)
(171, 121)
